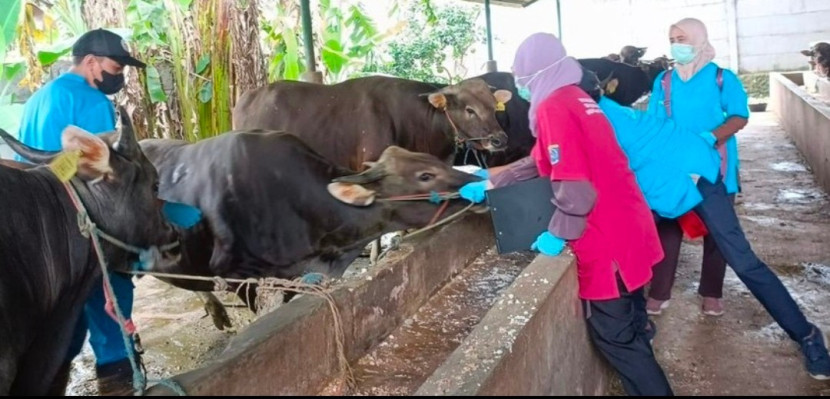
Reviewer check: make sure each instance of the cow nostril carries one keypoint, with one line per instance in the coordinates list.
(499, 140)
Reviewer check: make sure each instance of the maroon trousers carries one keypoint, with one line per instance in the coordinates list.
(712, 271)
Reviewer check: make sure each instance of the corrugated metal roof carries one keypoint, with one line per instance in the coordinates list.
(508, 3)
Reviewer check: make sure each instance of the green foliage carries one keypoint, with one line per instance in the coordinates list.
(435, 37)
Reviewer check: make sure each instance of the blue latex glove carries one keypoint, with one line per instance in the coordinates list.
(473, 192)
(482, 173)
(710, 138)
(181, 215)
(548, 244)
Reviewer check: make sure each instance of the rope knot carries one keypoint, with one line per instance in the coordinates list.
(220, 284)
(149, 258)
(85, 224)
(435, 198)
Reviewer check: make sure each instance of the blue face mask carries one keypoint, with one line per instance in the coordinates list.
(523, 90)
(683, 53)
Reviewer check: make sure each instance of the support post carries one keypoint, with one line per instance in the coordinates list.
(311, 74)
(491, 63)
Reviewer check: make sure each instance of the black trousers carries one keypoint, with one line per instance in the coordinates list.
(618, 329)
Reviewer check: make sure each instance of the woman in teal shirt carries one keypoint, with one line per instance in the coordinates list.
(699, 96)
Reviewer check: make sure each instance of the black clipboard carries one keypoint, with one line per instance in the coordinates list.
(520, 212)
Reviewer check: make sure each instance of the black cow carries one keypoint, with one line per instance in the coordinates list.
(274, 207)
(626, 83)
(47, 266)
(353, 122)
(622, 83)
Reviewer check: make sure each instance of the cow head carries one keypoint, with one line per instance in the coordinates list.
(116, 183)
(631, 55)
(398, 173)
(470, 108)
(819, 61)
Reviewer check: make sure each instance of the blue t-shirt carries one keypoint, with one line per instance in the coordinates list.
(67, 100)
(700, 105)
(663, 157)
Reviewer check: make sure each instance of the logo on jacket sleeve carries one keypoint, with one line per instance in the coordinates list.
(553, 153)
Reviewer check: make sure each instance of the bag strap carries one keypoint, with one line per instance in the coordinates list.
(667, 92)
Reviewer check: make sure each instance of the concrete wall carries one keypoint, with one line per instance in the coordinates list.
(292, 351)
(806, 119)
(748, 35)
(771, 33)
(534, 341)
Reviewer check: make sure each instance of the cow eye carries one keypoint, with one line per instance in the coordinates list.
(156, 188)
(426, 176)
(471, 112)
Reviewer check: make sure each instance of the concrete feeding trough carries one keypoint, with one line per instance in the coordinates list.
(526, 329)
(805, 117)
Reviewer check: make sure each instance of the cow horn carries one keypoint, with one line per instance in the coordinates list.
(373, 174)
(127, 144)
(31, 154)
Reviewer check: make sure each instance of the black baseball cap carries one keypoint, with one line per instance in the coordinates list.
(103, 43)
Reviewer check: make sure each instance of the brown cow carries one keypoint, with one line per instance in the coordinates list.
(352, 122)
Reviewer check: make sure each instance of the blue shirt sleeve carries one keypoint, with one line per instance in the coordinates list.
(655, 101)
(733, 98)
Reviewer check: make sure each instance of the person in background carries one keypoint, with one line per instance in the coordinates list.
(600, 210)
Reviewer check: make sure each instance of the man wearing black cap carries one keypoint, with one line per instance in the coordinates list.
(79, 97)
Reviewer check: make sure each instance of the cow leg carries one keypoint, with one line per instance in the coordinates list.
(58, 386)
(216, 310)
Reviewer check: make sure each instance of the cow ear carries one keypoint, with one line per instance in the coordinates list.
(438, 100)
(352, 194)
(503, 96)
(94, 160)
(808, 53)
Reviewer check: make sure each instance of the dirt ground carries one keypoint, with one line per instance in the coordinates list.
(787, 219)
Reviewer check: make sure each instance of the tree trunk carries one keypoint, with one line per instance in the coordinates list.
(248, 63)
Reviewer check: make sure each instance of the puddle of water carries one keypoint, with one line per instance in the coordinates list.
(757, 206)
(799, 195)
(788, 167)
(764, 220)
(817, 273)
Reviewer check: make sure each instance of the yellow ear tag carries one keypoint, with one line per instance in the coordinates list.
(500, 106)
(611, 87)
(65, 165)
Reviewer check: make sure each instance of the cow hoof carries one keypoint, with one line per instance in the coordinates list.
(313, 279)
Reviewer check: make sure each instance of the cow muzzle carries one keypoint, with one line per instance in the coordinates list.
(496, 142)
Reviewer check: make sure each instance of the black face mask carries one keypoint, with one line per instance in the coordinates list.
(110, 84)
